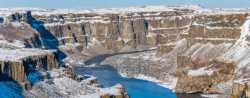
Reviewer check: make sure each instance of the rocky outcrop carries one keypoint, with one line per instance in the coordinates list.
(138, 29)
(122, 93)
(240, 91)
(205, 79)
(113, 31)
(14, 70)
(18, 35)
(19, 64)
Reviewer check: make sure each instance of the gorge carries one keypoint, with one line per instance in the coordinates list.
(187, 49)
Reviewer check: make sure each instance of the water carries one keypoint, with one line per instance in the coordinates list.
(10, 89)
(136, 88)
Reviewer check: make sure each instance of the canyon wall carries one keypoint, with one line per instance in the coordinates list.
(21, 64)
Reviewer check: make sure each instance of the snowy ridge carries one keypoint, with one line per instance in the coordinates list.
(162, 8)
(15, 43)
(17, 54)
(223, 11)
(40, 11)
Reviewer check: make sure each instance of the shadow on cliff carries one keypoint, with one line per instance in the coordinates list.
(96, 60)
(32, 74)
(10, 88)
(47, 39)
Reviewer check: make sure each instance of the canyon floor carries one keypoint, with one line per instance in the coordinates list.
(190, 51)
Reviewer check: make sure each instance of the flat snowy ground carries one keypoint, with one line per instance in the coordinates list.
(17, 54)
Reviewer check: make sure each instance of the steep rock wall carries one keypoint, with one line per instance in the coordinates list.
(18, 64)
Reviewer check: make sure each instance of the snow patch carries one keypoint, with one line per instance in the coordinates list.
(171, 84)
(201, 72)
(17, 54)
(47, 12)
(15, 43)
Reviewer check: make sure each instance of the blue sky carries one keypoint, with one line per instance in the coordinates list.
(89, 4)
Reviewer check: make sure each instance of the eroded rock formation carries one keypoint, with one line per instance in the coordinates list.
(19, 64)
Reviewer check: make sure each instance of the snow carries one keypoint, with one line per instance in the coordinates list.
(170, 28)
(210, 95)
(180, 47)
(240, 50)
(67, 85)
(192, 49)
(240, 53)
(60, 86)
(56, 72)
(223, 11)
(171, 83)
(150, 9)
(17, 24)
(94, 42)
(207, 51)
(95, 95)
(215, 28)
(152, 14)
(201, 72)
(242, 81)
(40, 11)
(70, 45)
(225, 39)
(77, 22)
(245, 29)
(115, 90)
(17, 54)
(15, 43)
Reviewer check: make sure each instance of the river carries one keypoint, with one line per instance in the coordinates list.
(136, 88)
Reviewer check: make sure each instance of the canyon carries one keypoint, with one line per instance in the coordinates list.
(188, 49)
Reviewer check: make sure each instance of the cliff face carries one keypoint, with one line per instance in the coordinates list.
(194, 50)
(20, 64)
(113, 31)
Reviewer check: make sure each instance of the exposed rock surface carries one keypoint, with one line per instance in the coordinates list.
(19, 64)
